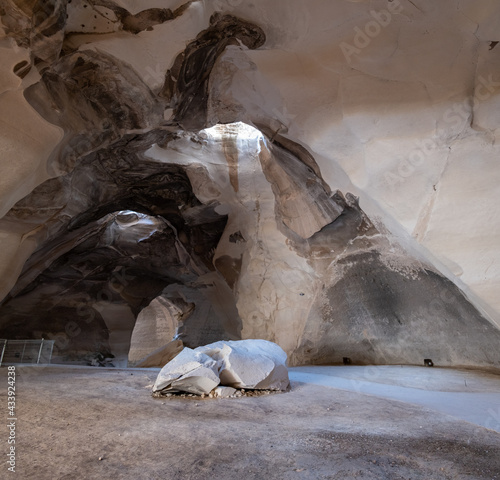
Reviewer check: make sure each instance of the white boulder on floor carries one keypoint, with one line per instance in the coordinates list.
(249, 364)
(190, 371)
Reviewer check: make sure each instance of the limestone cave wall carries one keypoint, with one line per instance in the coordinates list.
(320, 174)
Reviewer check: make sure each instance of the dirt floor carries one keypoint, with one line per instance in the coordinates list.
(96, 423)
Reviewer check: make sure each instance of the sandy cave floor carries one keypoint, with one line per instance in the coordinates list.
(69, 417)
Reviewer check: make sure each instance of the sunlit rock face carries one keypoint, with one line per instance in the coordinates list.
(319, 174)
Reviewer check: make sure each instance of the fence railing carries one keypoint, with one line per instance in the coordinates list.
(25, 351)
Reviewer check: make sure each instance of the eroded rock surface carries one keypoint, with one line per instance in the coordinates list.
(186, 85)
(348, 216)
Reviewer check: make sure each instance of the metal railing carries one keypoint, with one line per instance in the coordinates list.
(25, 351)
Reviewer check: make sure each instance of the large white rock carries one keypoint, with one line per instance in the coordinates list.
(252, 364)
(190, 371)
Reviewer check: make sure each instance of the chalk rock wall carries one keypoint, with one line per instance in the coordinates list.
(318, 174)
